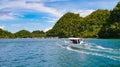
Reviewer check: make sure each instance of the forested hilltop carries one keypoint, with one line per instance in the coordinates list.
(72, 25)
(100, 23)
(22, 34)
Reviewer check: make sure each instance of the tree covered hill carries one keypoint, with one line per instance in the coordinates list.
(67, 26)
(22, 34)
(94, 22)
(5, 34)
(72, 25)
(102, 23)
(111, 29)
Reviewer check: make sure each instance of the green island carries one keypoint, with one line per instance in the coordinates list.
(100, 23)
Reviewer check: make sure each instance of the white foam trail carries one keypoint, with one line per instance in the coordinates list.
(60, 45)
(97, 54)
(96, 50)
(95, 47)
(109, 50)
(100, 47)
(66, 42)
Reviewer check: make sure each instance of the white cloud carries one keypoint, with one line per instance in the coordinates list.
(45, 0)
(54, 0)
(45, 30)
(2, 27)
(35, 23)
(51, 19)
(6, 17)
(84, 13)
(22, 4)
(16, 25)
(30, 23)
(104, 4)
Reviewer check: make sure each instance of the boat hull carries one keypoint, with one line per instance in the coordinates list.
(79, 47)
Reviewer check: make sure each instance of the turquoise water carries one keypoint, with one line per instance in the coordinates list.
(52, 53)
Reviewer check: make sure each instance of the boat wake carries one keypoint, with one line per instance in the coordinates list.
(96, 50)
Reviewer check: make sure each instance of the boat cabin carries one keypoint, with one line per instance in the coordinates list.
(76, 40)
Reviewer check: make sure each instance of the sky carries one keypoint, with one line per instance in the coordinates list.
(32, 15)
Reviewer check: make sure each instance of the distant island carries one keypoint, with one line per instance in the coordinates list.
(100, 23)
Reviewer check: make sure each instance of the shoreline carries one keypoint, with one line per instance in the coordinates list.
(57, 38)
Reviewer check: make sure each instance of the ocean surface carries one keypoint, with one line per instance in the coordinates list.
(54, 53)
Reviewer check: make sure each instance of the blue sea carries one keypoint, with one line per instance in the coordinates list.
(52, 53)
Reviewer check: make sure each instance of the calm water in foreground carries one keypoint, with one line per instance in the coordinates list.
(52, 53)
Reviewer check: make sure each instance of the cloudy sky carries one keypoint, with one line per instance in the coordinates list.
(32, 15)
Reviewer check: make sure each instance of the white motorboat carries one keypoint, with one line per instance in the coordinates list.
(78, 43)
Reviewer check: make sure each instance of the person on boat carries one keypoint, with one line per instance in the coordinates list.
(74, 41)
(81, 41)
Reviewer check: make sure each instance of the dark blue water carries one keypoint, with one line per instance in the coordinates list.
(51, 53)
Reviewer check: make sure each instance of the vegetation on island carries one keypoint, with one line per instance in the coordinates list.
(5, 34)
(37, 33)
(72, 25)
(100, 23)
(22, 34)
(111, 29)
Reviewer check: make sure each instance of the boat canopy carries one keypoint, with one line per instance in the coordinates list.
(76, 40)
